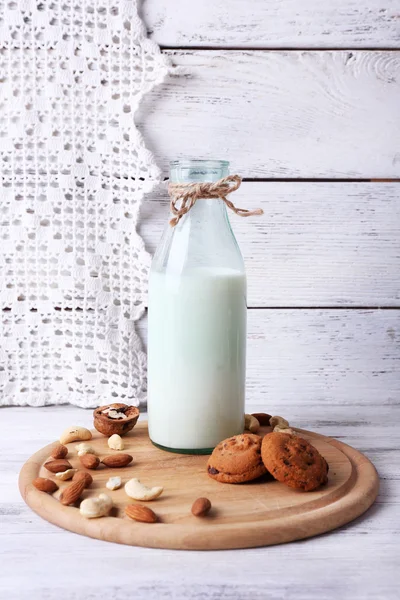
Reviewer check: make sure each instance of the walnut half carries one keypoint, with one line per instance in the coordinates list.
(115, 418)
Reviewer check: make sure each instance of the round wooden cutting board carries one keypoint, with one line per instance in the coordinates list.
(258, 513)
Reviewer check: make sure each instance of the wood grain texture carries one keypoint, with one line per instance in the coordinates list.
(358, 561)
(280, 114)
(318, 244)
(261, 513)
(276, 23)
(321, 357)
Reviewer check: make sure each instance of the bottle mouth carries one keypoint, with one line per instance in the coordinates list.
(205, 164)
(196, 171)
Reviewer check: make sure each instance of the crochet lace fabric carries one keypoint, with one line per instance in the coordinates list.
(74, 169)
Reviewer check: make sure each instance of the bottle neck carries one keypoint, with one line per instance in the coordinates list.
(203, 236)
(212, 211)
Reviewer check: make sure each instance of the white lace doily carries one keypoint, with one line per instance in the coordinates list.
(74, 169)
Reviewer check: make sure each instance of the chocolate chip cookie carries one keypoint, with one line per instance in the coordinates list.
(292, 460)
(237, 459)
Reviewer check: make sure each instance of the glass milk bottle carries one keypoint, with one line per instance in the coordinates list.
(197, 324)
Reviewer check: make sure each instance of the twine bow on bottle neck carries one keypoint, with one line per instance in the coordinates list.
(188, 194)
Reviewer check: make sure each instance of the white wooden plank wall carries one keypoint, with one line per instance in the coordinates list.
(303, 98)
(321, 357)
(281, 114)
(274, 23)
(318, 244)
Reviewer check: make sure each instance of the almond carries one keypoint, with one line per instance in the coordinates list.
(72, 493)
(45, 485)
(201, 507)
(90, 461)
(262, 418)
(140, 513)
(83, 476)
(117, 460)
(59, 451)
(58, 465)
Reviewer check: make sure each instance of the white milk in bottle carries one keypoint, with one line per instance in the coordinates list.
(197, 325)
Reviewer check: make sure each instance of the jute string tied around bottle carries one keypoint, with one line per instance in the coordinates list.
(186, 195)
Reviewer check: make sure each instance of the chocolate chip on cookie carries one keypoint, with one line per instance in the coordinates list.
(294, 461)
(237, 459)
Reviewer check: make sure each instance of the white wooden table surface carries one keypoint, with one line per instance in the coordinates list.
(359, 561)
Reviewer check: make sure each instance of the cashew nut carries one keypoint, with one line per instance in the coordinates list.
(65, 475)
(75, 434)
(114, 483)
(136, 490)
(85, 449)
(280, 425)
(278, 422)
(115, 442)
(91, 508)
(251, 423)
(287, 430)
